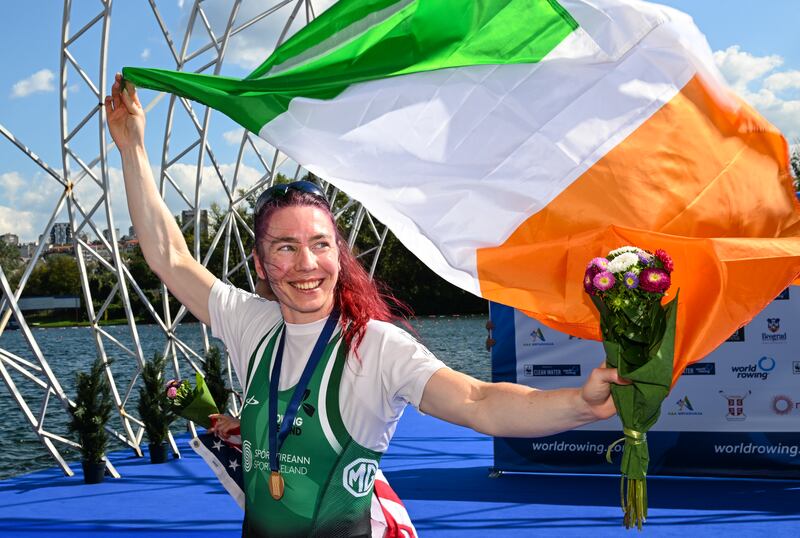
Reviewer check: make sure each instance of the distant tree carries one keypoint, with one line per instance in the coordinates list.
(56, 275)
(415, 284)
(9, 259)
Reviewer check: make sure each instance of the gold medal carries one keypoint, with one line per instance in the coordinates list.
(276, 485)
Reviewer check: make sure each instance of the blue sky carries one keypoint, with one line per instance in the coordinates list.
(757, 46)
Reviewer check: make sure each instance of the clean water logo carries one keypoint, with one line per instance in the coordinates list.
(701, 368)
(552, 370)
(757, 370)
(247, 456)
(359, 477)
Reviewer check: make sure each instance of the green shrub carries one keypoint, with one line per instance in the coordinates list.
(92, 410)
(154, 408)
(215, 378)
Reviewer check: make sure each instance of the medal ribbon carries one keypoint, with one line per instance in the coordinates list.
(277, 438)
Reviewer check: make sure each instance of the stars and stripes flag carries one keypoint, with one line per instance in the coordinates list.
(507, 142)
(389, 516)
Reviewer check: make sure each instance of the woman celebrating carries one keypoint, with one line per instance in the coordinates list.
(325, 376)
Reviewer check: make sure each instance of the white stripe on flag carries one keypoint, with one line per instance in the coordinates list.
(460, 139)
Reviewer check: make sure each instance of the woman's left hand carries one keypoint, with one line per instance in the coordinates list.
(223, 425)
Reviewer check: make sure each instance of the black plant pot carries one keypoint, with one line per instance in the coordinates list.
(93, 473)
(158, 453)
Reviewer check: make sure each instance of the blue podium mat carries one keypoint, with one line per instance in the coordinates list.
(440, 471)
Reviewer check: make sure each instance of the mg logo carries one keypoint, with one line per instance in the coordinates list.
(359, 476)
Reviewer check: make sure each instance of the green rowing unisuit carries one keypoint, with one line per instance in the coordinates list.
(328, 476)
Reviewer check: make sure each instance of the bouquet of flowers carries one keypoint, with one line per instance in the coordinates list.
(627, 288)
(190, 403)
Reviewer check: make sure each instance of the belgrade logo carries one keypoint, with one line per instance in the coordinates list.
(758, 370)
(783, 405)
(735, 405)
(773, 336)
(359, 476)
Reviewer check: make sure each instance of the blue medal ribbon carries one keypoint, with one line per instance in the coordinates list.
(277, 438)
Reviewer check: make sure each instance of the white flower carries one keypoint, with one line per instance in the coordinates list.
(623, 262)
(620, 250)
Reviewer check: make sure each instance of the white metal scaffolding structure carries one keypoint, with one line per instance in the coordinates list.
(85, 183)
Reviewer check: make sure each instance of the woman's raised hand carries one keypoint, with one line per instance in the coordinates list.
(125, 115)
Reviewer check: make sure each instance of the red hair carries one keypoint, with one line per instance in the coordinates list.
(356, 295)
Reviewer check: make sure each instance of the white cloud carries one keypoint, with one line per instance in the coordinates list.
(786, 80)
(760, 82)
(740, 67)
(11, 181)
(145, 54)
(18, 222)
(233, 137)
(251, 47)
(41, 81)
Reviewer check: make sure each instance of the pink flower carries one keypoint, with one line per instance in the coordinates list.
(665, 259)
(588, 287)
(654, 280)
(604, 281)
(172, 392)
(599, 262)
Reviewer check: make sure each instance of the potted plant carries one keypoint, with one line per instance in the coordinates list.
(214, 378)
(154, 408)
(92, 410)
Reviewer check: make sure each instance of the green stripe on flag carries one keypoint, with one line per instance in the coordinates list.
(420, 36)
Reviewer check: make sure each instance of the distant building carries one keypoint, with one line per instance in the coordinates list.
(131, 233)
(26, 251)
(10, 239)
(107, 234)
(60, 234)
(188, 215)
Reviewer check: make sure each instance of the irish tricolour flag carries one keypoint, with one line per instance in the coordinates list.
(507, 142)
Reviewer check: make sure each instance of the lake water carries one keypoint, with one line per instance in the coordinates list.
(458, 341)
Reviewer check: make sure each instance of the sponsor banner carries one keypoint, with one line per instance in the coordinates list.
(671, 453)
(750, 384)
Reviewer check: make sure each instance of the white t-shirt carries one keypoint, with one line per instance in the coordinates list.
(391, 370)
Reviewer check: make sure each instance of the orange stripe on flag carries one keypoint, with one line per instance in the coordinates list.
(695, 179)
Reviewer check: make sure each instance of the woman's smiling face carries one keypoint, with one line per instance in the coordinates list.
(300, 260)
